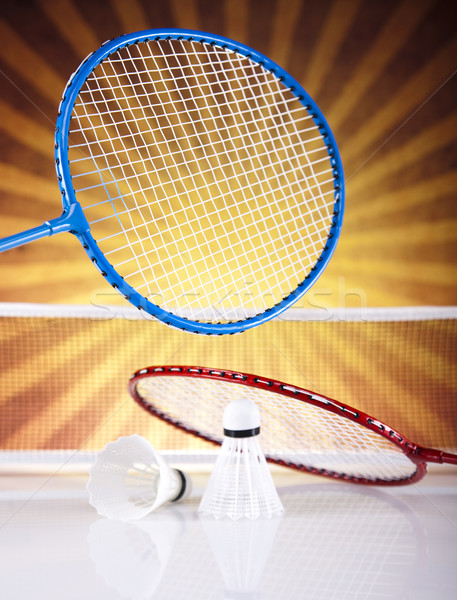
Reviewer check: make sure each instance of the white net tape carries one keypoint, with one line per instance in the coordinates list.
(291, 430)
(206, 182)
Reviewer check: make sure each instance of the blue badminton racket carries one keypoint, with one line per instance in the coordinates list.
(200, 178)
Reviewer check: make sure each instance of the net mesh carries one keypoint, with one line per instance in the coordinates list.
(206, 182)
(64, 372)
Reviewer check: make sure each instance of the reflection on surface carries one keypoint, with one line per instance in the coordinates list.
(133, 557)
(334, 541)
(352, 542)
(241, 549)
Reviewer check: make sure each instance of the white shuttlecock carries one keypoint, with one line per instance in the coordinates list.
(241, 485)
(130, 479)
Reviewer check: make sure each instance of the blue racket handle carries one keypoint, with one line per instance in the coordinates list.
(71, 220)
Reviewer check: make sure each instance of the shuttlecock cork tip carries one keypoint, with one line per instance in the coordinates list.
(241, 419)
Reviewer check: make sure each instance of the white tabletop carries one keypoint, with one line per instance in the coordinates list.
(335, 540)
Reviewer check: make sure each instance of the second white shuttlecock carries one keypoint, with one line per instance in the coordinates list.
(241, 485)
(130, 479)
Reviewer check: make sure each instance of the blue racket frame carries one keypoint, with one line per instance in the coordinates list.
(74, 221)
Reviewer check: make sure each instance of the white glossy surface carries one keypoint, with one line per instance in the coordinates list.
(334, 541)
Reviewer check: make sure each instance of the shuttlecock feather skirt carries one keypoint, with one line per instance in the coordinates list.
(241, 485)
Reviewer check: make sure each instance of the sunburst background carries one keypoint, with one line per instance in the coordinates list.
(383, 73)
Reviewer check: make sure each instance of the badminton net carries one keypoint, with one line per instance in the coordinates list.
(64, 372)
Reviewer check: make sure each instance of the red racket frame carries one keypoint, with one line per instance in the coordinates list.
(419, 455)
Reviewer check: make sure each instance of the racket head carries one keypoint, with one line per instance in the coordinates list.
(240, 298)
(300, 429)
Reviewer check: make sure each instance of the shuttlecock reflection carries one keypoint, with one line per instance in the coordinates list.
(241, 485)
(132, 557)
(130, 479)
(241, 549)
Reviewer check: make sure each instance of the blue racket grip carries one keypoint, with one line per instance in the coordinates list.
(72, 219)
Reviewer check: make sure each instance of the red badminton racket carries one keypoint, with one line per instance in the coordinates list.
(300, 429)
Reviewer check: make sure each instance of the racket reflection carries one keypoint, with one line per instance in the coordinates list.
(333, 537)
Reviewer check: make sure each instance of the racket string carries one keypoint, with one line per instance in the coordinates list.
(111, 141)
(292, 431)
(209, 168)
